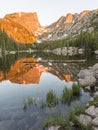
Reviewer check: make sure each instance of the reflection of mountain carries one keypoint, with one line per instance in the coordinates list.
(1, 76)
(25, 71)
(28, 70)
(67, 72)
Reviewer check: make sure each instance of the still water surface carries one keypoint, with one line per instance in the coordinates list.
(26, 76)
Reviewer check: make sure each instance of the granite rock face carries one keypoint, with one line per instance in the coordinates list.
(69, 25)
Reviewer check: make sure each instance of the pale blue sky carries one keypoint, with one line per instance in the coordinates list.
(48, 10)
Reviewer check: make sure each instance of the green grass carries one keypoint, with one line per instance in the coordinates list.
(59, 120)
(43, 104)
(77, 124)
(55, 120)
(76, 89)
(51, 99)
(94, 102)
(66, 95)
(25, 104)
(77, 110)
(28, 102)
(72, 116)
(31, 101)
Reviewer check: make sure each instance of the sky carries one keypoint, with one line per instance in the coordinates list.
(48, 11)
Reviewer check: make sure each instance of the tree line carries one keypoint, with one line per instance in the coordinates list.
(7, 43)
(86, 40)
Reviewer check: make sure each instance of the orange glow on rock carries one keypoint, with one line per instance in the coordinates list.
(67, 77)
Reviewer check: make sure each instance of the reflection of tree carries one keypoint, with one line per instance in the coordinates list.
(5, 67)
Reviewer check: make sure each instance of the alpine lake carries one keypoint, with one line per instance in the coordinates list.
(25, 76)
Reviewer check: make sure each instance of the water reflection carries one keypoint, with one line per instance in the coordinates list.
(29, 71)
(36, 79)
(27, 68)
(24, 71)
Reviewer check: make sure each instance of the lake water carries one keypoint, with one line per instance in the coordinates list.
(33, 75)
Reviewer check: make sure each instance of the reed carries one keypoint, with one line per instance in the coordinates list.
(43, 104)
(51, 99)
(55, 120)
(66, 95)
(76, 89)
(25, 104)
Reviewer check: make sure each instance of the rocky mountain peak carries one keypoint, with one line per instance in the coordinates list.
(24, 27)
(71, 25)
(69, 18)
(84, 12)
(28, 20)
(21, 26)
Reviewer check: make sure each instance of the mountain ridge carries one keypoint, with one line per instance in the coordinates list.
(25, 27)
(70, 25)
(21, 26)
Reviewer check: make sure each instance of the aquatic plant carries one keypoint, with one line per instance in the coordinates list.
(66, 95)
(28, 102)
(59, 120)
(55, 120)
(76, 89)
(25, 104)
(43, 104)
(31, 101)
(77, 110)
(51, 99)
(34, 102)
